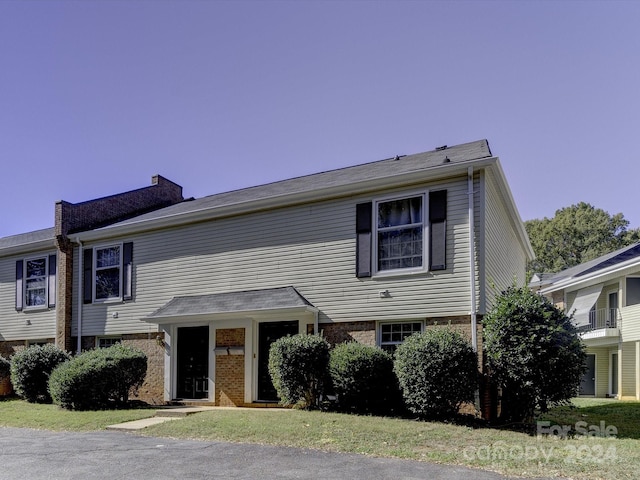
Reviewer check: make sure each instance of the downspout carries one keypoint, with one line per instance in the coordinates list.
(80, 293)
(472, 277)
(472, 262)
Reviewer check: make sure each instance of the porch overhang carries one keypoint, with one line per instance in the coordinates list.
(264, 304)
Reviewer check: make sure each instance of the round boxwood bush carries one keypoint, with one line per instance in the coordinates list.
(298, 368)
(437, 371)
(363, 379)
(98, 379)
(30, 370)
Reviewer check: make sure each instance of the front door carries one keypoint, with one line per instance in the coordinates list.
(588, 382)
(268, 333)
(193, 362)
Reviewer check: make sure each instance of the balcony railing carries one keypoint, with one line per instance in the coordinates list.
(602, 318)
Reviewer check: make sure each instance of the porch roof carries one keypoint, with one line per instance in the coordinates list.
(268, 299)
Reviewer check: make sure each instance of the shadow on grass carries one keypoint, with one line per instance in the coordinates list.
(624, 416)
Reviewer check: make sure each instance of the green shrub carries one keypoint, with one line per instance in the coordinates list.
(298, 367)
(437, 371)
(30, 370)
(363, 379)
(534, 353)
(5, 368)
(98, 379)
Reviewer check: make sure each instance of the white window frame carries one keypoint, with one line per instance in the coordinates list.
(424, 195)
(115, 338)
(379, 340)
(25, 292)
(95, 269)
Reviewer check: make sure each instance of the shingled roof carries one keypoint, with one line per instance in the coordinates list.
(231, 302)
(441, 158)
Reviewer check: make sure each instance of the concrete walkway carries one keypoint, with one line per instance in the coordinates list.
(162, 415)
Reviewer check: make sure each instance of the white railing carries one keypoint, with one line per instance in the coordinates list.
(602, 318)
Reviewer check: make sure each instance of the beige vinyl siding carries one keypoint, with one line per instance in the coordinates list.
(630, 323)
(26, 324)
(311, 247)
(505, 262)
(602, 370)
(628, 373)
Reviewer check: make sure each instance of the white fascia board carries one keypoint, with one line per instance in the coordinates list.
(351, 189)
(40, 245)
(236, 315)
(575, 283)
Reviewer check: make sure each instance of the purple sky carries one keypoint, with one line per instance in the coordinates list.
(96, 97)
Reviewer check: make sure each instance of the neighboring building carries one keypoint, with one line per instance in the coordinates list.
(37, 269)
(371, 253)
(603, 295)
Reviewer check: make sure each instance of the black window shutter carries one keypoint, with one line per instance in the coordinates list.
(363, 239)
(87, 283)
(19, 286)
(127, 270)
(53, 266)
(438, 230)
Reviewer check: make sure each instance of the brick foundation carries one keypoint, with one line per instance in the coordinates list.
(362, 332)
(152, 390)
(8, 348)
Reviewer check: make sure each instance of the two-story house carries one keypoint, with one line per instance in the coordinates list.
(369, 253)
(603, 295)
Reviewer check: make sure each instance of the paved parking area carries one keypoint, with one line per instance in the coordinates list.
(40, 455)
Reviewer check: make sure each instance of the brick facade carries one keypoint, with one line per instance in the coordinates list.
(229, 374)
(8, 348)
(362, 332)
(152, 390)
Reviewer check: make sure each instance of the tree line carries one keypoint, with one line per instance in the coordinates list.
(575, 235)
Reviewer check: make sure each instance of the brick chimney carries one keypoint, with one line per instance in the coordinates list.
(100, 212)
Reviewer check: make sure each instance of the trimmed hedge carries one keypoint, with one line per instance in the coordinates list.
(298, 368)
(98, 379)
(363, 378)
(30, 370)
(437, 371)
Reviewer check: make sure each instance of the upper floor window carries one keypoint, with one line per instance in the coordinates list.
(108, 275)
(400, 233)
(36, 282)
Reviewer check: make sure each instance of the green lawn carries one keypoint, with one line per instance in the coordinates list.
(504, 451)
(18, 413)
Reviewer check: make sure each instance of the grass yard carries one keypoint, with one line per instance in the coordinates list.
(505, 451)
(18, 413)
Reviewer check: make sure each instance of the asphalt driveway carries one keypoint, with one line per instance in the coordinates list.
(40, 455)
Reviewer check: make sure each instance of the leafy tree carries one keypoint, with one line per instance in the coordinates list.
(577, 234)
(533, 352)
